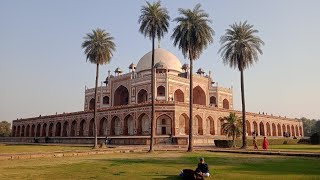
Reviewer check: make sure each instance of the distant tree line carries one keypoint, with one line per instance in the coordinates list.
(5, 129)
(310, 126)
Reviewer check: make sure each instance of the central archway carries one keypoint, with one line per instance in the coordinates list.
(121, 96)
(163, 125)
(199, 96)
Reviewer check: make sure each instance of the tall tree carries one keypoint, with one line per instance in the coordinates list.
(240, 47)
(5, 129)
(232, 126)
(192, 35)
(98, 47)
(154, 22)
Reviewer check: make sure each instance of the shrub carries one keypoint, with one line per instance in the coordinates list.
(315, 138)
(223, 143)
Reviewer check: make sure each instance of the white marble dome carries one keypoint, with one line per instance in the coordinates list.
(160, 55)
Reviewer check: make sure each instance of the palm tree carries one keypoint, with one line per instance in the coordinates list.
(154, 22)
(232, 126)
(99, 47)
(192, 35)
(240, 47)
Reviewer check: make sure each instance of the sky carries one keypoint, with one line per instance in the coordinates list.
(43, 69)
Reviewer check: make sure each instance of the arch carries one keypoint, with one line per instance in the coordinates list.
(142, 96)
(179, 96)
(143, 124)
(163, 125)
(284, 132)
(255, 128)
(200, 95)
(279, 129)
(115, 126)
(210, 125)
(261, 126)
(58, 129)
(248, 127)
(65, 129)
(268, 129)
(44, 130)
(91, 127)
(183, 124)
(288, 131)
(274, 131)
(128, 125)
(221, 129)
(300, 128)
(28, 131)
(292, 130)
(225, 103)
(82, 127)
(38, 130)
(18, 131)
(14, 129)
(198, 125)
(106, 100)
(297, 130)
(73, 130)
(103, 127)
(213, 100)
(161, 91)
(91, 104)
(23, 131)
(121, 96)
(33, 129)
(50, 131)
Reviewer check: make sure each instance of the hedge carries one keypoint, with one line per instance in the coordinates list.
(228, 143)
(315, 138)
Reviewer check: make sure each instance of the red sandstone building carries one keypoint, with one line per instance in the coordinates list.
(124, 106)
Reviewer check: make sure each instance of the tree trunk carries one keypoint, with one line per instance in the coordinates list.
(233, 141)
(190, 147)
(244, 131)
(95, 109)
(152, 96)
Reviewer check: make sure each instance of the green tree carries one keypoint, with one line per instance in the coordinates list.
(5, 129)
(154, 22)
(232, 126)
(192, 35)
(240, 47)
(99, 47)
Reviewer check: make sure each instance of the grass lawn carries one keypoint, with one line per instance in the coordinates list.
(11, 149)
(161, 165)
(295, 147)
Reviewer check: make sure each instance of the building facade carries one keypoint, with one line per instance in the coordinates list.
(124, 106)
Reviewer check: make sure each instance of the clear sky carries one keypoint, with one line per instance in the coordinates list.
(43, 69)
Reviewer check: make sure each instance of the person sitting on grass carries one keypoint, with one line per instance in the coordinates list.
(203, 168)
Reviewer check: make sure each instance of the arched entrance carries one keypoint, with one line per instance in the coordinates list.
(18, 131)
(82, 128)
(248, 127)
(65, 129)
(284, 132)
(300, 128)
(279, 130)
(292, 130)
(161, 91)
(106, 100)
(268, 129)
(183, 124)
(121, 96)
(288, 131)
(14, 129)
(221, 129)
(179, 96)
(274, 131)
(261, 125)
(50, 131)
(58, 129)
(33, 129)
(255, 128)
(91, 127)
(210, 125)
(23, 131)
(128, 125)
(163, 125)
(143, 125)
(103, 127)
(142, 96)
(197, 125)
(73, 130)
(115, 126)
(297, 130)
(28, 131)
(44, 130)
(225, 104)
(199, 96)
